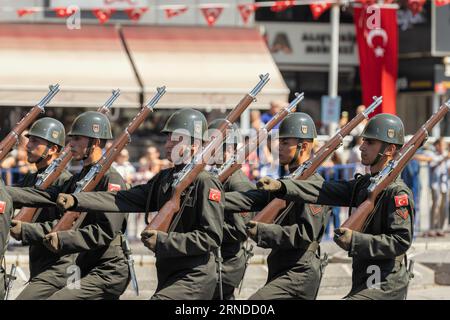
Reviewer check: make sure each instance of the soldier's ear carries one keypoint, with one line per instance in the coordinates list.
(391, 150)
(53, 149)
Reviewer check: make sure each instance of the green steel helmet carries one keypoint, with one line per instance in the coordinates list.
(234, 134)
(48, 129)
(385, 127)
(297, 125)
(91, 124)
(187, 120)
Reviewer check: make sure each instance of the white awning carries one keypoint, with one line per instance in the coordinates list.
(87, 63)
(203, 67)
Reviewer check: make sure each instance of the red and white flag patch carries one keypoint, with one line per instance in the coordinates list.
(214, 195)
(114, 187)
(315, 209)
(401, 201)
(403, 212)
(2, 206)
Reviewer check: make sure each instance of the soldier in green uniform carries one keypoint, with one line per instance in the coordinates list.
(6, 212)
(294, 262)
(46, 138)
(233, 253)
(101, 271)
(379, 251)
(185, 261)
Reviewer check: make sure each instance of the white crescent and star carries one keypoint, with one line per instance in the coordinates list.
(379, 51)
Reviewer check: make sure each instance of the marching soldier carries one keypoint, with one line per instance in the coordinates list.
(294, 263)
(185, 261)
(46, 138)
(101, 270)
(6, 212)
(379, 251)
(233, 253)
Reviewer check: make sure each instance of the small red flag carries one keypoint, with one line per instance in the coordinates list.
(103, 15)
(318, 9)
(246, 11)
(214, 195)
(175, 12)
(135, 13)
(212, 14)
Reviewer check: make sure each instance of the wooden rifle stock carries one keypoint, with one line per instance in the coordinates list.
(363, 213)
(275, 207)
(26, 214)
(242, 154)
(72, 219)
(13, 137)
(164, 217)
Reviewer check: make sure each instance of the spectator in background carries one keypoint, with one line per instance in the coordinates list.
(275, 107)
(251, 166)
(255, 120)
(360, 127)
(355, 157)
(124, 167)
(330, 172)
(344, 119)
(439, 167)
(149, 165)
(16, 164)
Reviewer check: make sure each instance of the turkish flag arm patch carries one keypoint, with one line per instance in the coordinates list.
(401, 201)
(114, 187)
(403, 212)
(214, 195)
(2, 207)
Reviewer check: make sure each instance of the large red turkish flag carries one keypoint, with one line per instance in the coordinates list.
(378, 55)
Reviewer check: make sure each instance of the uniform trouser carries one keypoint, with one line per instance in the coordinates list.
(227, 290)
(2, 283)
(300, 282)
(105, 283)
(438, 210)
(41, 289)
(393, 289)
(198, 283)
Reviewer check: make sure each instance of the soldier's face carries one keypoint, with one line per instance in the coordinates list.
(369, 150)
(35, 148)
(78, 146)
(178, 148)
(287, 147)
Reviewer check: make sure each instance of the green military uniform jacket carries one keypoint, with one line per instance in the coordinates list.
(234, 233)
(6, 212)
(385, 240)
(185, 262)
(97, 240)
(40, 257)
(293, 260)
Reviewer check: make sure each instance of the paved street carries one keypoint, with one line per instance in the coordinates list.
(428, 252)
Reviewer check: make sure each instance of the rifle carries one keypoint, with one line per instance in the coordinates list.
(52, 172)
(364, 212)
(187, 175)
(235, 162)
(13, 137)
(72, 219)
(273, 209)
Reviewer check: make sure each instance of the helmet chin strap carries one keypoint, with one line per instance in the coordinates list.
(297, 154)
(380, 154)
(88, 149)
(44, 154)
